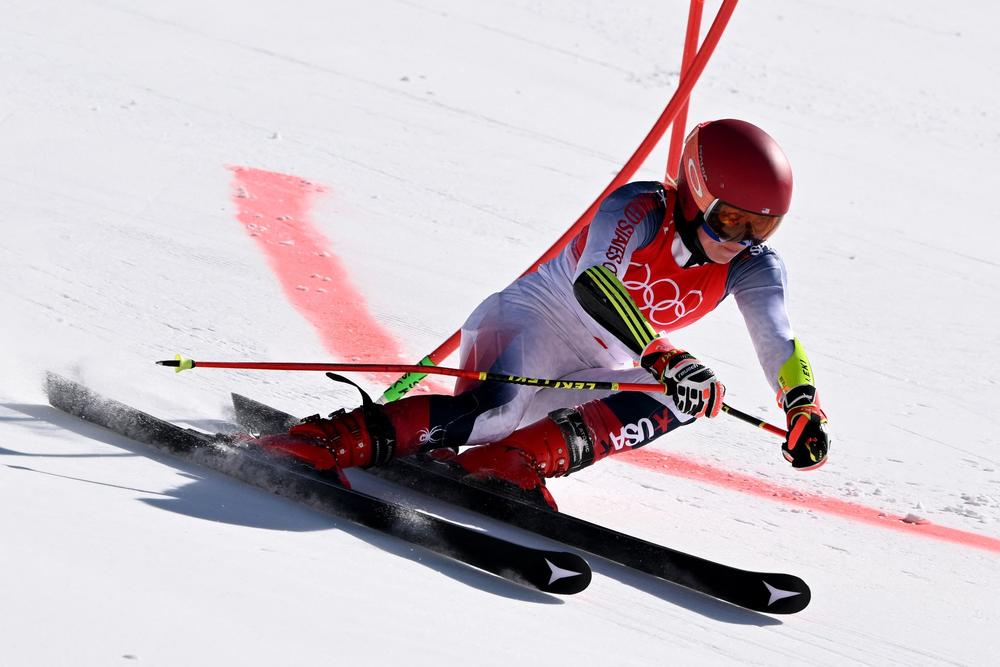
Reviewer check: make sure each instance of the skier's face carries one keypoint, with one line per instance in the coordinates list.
(720, 252)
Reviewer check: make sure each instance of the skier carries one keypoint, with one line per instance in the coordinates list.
(656, 257)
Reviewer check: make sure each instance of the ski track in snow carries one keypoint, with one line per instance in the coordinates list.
(457, 141)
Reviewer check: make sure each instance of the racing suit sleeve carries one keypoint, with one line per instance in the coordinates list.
(758, 281)
(627, 220)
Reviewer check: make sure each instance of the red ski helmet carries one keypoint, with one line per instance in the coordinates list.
(734, 168)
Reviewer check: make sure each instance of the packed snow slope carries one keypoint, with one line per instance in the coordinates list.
(446, 145)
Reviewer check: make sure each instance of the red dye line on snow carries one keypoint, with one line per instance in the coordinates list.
(274, 208)
(681, 466)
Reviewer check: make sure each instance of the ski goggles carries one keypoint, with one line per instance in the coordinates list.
(726, 223)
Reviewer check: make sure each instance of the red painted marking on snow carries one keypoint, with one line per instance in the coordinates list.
(275, 210)
(682, 466)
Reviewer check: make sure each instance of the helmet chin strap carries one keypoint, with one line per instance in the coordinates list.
(688, 229)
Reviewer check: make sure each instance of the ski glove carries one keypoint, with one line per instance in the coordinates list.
(691, 384)
(808, 441)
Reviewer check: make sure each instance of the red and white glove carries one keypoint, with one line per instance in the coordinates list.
(808, 441)
(691, 384)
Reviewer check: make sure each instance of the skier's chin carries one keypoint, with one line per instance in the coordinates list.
(720, 253)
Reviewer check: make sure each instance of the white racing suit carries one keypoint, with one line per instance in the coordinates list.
(540, 326)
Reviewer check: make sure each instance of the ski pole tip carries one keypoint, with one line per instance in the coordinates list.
(178, 362)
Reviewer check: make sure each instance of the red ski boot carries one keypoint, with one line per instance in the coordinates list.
(551, 447)
(362, 437)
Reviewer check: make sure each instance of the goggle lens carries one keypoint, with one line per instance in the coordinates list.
(725, 223)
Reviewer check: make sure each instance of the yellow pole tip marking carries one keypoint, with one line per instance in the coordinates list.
(183, 363)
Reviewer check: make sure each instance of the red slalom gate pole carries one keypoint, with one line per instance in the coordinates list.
(680, 122)
(404, 384)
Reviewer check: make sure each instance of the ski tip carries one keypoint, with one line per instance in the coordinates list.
(563, 573)
(179, 362)
(786, 594)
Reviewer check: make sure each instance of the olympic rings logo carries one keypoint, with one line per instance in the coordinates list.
(660, 309)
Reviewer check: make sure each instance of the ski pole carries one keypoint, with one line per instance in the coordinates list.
(750, 419)
(181, 363)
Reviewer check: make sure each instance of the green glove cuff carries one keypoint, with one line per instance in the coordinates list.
(796, 370)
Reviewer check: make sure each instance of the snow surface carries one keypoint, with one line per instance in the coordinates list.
(457, 141)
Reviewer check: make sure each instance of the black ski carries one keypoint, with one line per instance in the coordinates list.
(769, 592)
(549, 571)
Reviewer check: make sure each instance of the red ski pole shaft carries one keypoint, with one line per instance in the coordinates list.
(183, 363)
